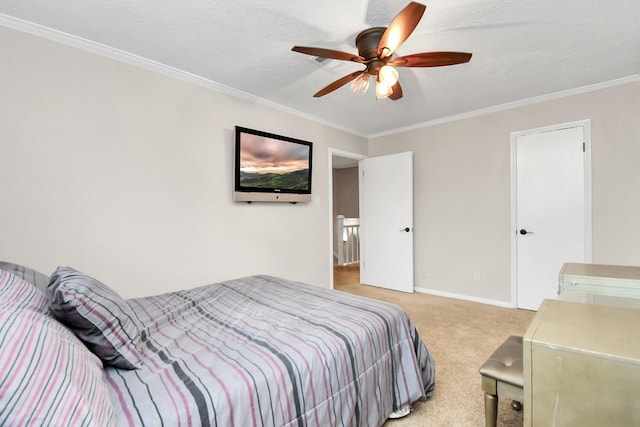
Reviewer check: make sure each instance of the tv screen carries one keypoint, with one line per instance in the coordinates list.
(270, 167)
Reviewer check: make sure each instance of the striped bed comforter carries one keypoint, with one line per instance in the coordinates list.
(264, 351)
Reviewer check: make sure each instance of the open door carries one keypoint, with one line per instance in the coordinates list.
(386, 221)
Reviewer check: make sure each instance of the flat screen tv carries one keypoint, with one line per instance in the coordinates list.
(271, 168)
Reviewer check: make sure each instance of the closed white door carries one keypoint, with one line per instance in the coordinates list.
(386, 221)
(552, 209)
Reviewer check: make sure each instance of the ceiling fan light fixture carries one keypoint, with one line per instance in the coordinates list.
(377, 48)
(361, 83)
(388, 74)
(383, 89)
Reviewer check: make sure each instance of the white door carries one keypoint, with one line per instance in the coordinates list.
(386, 221)
(552, 212)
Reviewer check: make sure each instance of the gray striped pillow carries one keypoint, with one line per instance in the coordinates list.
(48, 376)
(32, 276)
(98, 316)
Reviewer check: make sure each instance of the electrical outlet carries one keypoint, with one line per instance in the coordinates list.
(477, 277)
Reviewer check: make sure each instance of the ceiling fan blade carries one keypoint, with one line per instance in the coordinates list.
(337, 84)
(328, 53)
(397, 91)
(431, 59)
(400, 28)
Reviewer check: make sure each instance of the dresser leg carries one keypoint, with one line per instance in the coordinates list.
(490, 410)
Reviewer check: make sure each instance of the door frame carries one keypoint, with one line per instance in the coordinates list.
(348, 155)
(586, 125)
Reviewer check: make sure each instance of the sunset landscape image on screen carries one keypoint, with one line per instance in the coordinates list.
(273, 164)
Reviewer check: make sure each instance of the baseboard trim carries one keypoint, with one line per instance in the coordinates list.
(464, 297)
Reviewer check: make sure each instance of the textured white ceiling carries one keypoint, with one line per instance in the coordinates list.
(521, 49)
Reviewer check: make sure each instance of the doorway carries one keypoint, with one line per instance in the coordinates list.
(551, 208)
(344, 200)
(386, 241)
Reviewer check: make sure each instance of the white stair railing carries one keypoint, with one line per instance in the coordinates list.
(348, 237)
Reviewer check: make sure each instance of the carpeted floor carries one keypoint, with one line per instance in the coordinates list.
(461, 335)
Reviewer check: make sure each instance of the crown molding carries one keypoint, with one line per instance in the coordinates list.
(154, 66)
(166, 70)
(515, 104)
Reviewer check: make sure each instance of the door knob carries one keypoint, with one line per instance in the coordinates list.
(523, 231)
(406, 229)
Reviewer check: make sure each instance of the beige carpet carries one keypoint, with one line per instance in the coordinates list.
(461, 335)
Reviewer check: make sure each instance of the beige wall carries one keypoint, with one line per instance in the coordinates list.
(127, 175)
(345, 192)
(462, 189)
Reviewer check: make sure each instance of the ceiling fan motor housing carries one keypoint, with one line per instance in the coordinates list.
(367, 43)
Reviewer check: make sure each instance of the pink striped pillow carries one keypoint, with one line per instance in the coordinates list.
(98, 316)
(48, 376)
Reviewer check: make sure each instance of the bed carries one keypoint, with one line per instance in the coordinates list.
(255, 351)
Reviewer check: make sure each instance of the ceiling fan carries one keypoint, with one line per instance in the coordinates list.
(375, 50)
